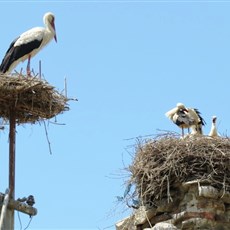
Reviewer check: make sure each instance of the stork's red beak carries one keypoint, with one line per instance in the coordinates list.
(55, 36)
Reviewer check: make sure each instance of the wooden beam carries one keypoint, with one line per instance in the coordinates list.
(19, 206)
(22, 207)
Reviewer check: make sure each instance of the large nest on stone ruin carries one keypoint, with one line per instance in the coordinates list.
(31, 98)
(162, 163)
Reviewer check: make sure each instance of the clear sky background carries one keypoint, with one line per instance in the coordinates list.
(127, 62)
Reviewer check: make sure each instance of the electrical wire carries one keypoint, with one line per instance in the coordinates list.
(28, 223)
(19, 218)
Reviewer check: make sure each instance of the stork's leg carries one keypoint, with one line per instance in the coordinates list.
(182, 132)
(28, 67)
(20, 74)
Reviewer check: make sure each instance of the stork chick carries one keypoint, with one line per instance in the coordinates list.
(213, 131)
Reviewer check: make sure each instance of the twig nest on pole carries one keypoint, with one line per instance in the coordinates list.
(32, 99)
(163, 164)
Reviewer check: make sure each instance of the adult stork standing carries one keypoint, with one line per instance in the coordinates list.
(186, 117)
(179, 116)
(29, 44)
(213, 131)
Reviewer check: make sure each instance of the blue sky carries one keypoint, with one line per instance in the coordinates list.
(127, 62)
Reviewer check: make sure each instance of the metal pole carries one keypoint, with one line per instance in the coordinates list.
(9, 223)
(12, 153)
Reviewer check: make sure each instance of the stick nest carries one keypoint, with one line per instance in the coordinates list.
(31, 98)
(163, 163)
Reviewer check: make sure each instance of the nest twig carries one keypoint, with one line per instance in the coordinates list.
(160, 164)
(31, 98)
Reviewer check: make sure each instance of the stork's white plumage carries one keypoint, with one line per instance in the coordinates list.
(213, 132)
(29, 44)
(186, 118)
(198, 120)
(196, 130)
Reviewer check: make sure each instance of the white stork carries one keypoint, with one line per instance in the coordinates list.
(179, 116)
(186, 118)
(29, 44)
(213, 132)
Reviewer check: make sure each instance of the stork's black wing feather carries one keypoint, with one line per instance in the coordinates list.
(16, 52)
(4, 60)
(202, 121)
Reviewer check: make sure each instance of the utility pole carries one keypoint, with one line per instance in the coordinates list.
(9, 204)
(9, 220)
(24, 100)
